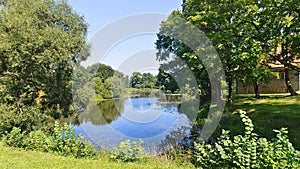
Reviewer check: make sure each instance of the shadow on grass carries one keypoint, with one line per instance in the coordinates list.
(267, 113)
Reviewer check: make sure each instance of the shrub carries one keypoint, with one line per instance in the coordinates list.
(15, 138)
(128, 152)
(63, 141)
(27, 118)
(36, 140)
(248, 151)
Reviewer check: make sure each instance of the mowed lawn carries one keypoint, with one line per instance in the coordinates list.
(268, 113)
(13, 158)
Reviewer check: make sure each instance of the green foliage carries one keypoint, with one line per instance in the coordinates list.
(63, 142)
(15, 138)
(104, 71)
(248, 151)
(143, 80)
(107, 82)
(128, 152)
(90, 85)
(246, 35)
(102, 91)
(36, 140)
(166, 82)
(26, 118)
(112, 87)
(39, 43)
(136, 80)
(117, 85)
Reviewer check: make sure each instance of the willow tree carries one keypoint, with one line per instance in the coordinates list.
(40, 40)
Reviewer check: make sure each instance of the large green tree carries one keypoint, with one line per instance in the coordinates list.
(277, 28)
(103, 71)
(98, 80)
(217, 27)
(136, 80)
(166, 82)
(246, 35)
(40, 40)
(143, 80)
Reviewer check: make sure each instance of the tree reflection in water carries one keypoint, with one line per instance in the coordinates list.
(184, 136)
(173, 139)
(103, 112)
(104, 124)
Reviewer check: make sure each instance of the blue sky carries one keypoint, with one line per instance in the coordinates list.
(100, 14)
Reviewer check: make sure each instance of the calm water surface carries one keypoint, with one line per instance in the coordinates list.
(111, 122)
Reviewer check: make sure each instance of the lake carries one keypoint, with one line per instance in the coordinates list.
(157, 123)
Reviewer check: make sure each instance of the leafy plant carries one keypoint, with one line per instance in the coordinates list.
(15, 138)
(26, 118)
(128, 152)
(63, 142)
(36, 140)
(248, 151)
(38, 70)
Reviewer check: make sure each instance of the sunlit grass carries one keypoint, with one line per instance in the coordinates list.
(17, 158)
(272, 111)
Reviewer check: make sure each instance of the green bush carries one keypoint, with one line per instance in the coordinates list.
(128, 152)
(36, 140)
(27, 118)
(63, 142)
(15, 138)
(248, 151)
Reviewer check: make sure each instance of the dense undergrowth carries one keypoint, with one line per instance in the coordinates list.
(248, 150)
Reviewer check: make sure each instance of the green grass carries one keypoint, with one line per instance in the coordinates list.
(268, 113)
(18, 158)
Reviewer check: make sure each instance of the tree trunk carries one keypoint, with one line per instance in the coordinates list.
(230, 89)
(256, 90)
(288, 82)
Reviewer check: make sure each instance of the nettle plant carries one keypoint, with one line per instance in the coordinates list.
(248, 150)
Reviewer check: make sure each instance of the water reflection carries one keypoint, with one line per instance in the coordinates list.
(111, 122)
(174, 138)
(103, 112)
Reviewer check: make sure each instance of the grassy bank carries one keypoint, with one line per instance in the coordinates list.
(268, 113)
(17, 158)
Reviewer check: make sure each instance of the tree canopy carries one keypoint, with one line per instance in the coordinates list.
(246, 34)
(40, 41)
(143, 80)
